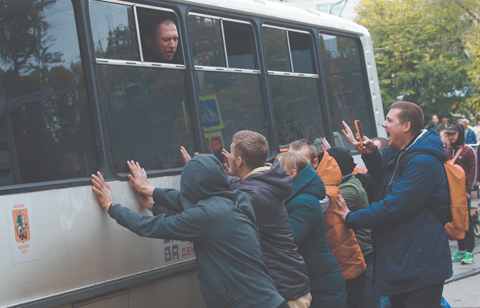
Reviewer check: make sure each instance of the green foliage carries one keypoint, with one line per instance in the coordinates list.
(422, 52)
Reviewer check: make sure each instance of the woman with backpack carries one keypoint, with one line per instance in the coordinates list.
(468, 161)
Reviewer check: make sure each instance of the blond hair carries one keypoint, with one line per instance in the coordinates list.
(292, 160)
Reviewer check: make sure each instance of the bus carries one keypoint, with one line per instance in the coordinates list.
(79, 92)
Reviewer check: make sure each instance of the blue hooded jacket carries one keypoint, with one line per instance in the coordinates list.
(306, 216)
(410, 244)
(221, 224)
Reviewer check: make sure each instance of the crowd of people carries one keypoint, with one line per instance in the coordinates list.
(308, 229)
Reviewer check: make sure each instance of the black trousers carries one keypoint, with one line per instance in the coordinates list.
(356, 291)
(428, 297)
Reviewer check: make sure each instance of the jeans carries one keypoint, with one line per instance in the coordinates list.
(468, 243)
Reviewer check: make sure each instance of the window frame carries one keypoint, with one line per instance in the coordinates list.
(141, 63)
(292, 73)
(227, 68)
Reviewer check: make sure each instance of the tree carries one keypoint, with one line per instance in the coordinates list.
(421, 51)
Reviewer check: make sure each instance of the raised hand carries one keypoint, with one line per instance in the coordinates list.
(226, 166)
(185, 155)
(102, 190)
(325, 144)
(368, 145)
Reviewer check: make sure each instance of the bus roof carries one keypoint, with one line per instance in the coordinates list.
(282, 11)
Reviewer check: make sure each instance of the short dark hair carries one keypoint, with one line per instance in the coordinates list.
(410, 112)
(304, 143)
(252, 147)
(152, 25)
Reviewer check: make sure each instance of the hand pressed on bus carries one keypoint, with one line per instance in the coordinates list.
(139, 180)
(368, 145)
(103, 191)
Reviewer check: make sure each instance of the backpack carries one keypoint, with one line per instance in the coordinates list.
(458, 200)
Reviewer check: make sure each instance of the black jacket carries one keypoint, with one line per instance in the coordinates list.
(266, 191)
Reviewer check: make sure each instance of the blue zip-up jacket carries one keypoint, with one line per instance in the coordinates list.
(306, 216)
(221, 224)
(410, 244)
(266, 191)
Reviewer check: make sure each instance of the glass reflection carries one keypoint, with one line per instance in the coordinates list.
(45, 126)
(346, 86)
(298, 112)
(229, 102)
(147, 116)
(114, 32)
(276, 49)
(207, 42)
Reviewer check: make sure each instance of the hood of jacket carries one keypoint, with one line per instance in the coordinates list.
(329, 170)
(429, 141)
(276, 180)
(308, 182)
(204, 177)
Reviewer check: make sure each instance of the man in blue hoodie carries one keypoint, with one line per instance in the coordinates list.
(220, 222)
(411, 251)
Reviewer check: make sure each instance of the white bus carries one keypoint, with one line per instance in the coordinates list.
(79, 93)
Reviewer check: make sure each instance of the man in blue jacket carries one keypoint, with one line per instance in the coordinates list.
(220, 222)
(412, 255)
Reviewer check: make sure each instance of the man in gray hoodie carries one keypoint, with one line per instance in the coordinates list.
(221, 224)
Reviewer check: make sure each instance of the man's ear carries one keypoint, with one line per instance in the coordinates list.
(315, 163)
(407, 126)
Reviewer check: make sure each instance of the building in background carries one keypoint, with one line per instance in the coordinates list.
(336, 7)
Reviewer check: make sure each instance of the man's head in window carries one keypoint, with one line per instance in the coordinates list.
(161, 40)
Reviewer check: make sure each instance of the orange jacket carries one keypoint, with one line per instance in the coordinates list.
(341, 240)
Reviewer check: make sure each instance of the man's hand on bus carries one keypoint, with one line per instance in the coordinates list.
(138, 178)
(185, 155)
(102, 189)
(342, 206)
(368, 145)
(325, 144)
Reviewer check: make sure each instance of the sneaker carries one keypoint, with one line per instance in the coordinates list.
(458, 257)
(468, 258)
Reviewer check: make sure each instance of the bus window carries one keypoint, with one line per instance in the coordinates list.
(147, 113)
(114, 32)
(298, 112)
(239, 41)
(347, 89)
(159, 36)
(276, 49)
(46, 130)
(302, 52)
(207, 41)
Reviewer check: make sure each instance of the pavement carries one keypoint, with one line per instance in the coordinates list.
(462, 290)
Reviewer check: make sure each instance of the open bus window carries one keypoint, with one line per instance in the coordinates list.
(239, 42)
(276, 49)
(114, 32)
(207, 42)
(159, 36)
(302, 52)
(346, 85)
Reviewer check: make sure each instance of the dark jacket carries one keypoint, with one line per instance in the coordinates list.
(266, 191)
(306, 216)
(221, 224)
(470, 137)
(410, 245)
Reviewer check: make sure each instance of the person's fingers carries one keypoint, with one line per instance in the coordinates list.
(196, 153)
(100, 176)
